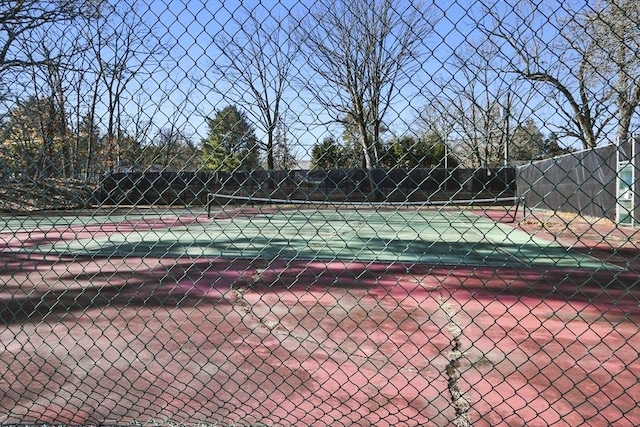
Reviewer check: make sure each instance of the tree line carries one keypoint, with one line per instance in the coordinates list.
(80, 93)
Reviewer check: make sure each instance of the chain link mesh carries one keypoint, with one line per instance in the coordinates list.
(349, 212)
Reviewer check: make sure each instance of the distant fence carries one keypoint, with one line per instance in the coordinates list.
(192, 188)
(583, 182)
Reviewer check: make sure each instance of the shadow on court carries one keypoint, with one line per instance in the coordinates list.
(39, 287)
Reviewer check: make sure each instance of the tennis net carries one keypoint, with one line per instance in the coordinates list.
(509, 206)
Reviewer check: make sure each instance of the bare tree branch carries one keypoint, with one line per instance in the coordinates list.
(19, 19)
(592, 62)
(358, 53)
(256, 67)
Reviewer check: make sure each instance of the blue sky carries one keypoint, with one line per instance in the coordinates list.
(196, 28)
(180, 92)
(182, 96)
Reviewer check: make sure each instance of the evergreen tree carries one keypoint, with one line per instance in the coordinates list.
(330, 154)
(527, 142)
(231, 143)
(409, 152)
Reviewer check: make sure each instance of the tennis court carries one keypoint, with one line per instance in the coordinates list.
(312, 213)
(412, 235)
(276, 315)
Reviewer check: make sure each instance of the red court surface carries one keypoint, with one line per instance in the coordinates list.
(106, 340)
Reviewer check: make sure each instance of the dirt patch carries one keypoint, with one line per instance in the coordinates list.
(597, 237)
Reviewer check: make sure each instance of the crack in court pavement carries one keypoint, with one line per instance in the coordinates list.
(459, 401)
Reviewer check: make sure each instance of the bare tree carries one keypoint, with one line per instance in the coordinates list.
(590, 68)
(122, 48)
(614, 27)
(284, 153)
(21, 20)
(41, 89)
(434, 123)
(54, 76)
(130, 48)
(433, 119)
(255, 64)
(475, 113)
(360, 52)
(171, 149)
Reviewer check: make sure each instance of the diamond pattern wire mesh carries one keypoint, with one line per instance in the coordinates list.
(319, 213)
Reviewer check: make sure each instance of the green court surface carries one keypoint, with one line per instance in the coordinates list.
(43, 221)
(365, 235)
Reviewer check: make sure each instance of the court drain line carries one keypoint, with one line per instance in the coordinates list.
(459, 401)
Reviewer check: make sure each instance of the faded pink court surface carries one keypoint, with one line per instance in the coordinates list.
(94, 339)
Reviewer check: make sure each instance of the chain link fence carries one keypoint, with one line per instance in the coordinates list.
(319, 212)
